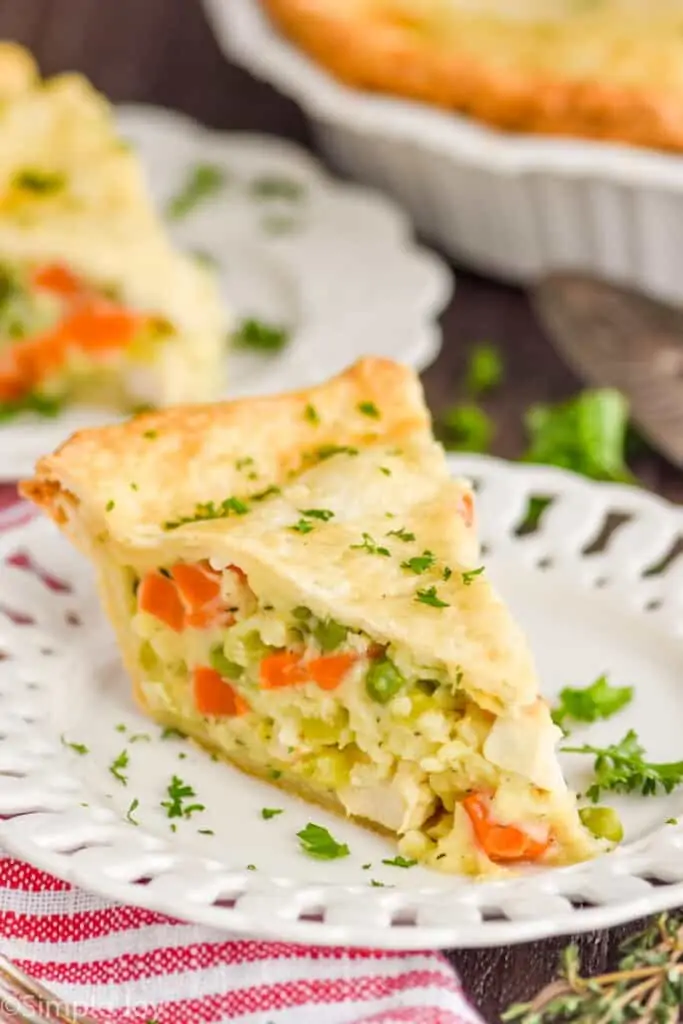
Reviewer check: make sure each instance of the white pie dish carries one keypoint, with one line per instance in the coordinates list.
(345, 275)
(586, 614)
(512, 206)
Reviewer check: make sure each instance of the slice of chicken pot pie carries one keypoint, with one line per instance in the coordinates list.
(95, 304)
(295, 582)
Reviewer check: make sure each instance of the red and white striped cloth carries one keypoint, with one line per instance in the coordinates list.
(130, 966)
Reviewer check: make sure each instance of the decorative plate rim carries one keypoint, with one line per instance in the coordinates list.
(430, 281)
(629, 864)
(245, 34)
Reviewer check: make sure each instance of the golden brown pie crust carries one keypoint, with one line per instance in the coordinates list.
(384, 55)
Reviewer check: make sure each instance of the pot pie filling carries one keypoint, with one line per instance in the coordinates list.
(66, 339)
(402, 747)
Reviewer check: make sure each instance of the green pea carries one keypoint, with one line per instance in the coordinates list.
(330, 634)
(383, 680)
(603, 822)
(302, 613)
(226, 668)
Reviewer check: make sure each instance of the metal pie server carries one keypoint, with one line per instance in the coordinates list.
(25, 1001)
(612, 336)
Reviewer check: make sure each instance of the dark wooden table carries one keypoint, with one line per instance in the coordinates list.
(162, 51)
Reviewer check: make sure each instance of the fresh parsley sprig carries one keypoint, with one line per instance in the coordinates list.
(622, 768)
(592, 703)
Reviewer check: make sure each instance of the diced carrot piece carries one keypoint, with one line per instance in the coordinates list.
(328, 672)
(11, 382)
(157, 595)
(55, 277)
(196, 586)
(100, 325)
(36, 358)
(209, 616)
(282, 669)
(466, 509)
(500, 842)
(214, 695)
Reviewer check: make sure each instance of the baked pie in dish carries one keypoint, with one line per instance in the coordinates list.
(295, 583)
(597, 69)
(96, 306)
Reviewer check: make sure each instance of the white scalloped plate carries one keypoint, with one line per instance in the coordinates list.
(338, 267)
(586, 613)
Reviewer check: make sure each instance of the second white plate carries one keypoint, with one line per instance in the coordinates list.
(335, 264)
(95, 816)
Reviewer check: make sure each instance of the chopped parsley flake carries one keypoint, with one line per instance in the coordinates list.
(671, 821)
(270, 812)
(400, 862)
(317, 513)
(150, 435)
(275, 773)
(317, 842)
(470, 576)
(33, 402)
(303, 526)
(420, 563)
(203, 181)
(121, 727)
(78, 748)
(447, 573)
(137, 737)
(134, 486)
(311, 415)
(41, 182)
(377, 885)
(205, 831)
(276, 186)
(485, 369)
(261, 337)
(326, 451)
(371, 547)
(243, 463)
(178, 793)
(210, 510)
(251, 867)
(385, 470)
(466, 428)
(402, 534)
(109, 506)
(429, 596)
(134, 804)
(366, 867)
(169, 733)
(369, 409)
(262, 495)
(117, 766)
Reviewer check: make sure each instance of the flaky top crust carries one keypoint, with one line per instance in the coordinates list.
(597, 77)
(122, 492)
(159, 466)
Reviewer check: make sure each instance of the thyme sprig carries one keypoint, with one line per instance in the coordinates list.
(647, 985)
